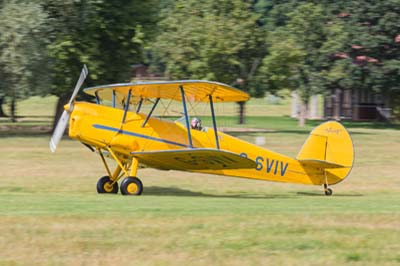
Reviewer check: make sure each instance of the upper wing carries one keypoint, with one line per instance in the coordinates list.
(193, 159)
(195, 90)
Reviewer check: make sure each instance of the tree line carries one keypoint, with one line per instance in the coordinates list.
(255, 45)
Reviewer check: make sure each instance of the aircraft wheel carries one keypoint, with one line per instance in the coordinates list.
(131, 186)
(104, 185)
(328, 191)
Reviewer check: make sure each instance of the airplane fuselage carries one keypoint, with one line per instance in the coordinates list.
(102, 126)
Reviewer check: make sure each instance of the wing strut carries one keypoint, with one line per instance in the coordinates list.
(97, 97)
(128, 98)
(214, 122)
(186, 116)
(113, 98)
(140, 105)
(151, 112)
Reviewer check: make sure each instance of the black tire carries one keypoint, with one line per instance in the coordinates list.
(103, 186)
(328, 192)
(131, 186)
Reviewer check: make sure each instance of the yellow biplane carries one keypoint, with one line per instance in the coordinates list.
(132, 136)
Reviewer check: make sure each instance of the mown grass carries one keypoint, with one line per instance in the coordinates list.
(50, 213)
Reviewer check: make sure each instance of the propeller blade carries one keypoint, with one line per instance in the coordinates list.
(78, 85)
(63, 122)
(59, 131)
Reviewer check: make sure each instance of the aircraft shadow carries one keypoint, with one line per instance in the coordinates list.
(178, 192)
(321, 194)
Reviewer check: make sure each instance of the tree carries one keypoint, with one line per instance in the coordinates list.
(373, 47)
(22, 57)
(364, 54)
(214, 40)
(300, 51)
(108, 36)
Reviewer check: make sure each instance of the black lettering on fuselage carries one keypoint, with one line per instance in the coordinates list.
(272, 166)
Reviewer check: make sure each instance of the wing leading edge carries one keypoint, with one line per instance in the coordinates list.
(195, 90)
(194, 159)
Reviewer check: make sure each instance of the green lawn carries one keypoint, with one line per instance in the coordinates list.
(50, 213)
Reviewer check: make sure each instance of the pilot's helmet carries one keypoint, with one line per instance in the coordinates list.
(196, 123)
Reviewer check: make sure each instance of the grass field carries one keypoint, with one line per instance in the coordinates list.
(50, 213)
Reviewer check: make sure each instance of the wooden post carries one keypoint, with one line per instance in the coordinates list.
(241, 112)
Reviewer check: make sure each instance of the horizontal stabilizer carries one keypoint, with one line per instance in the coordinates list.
(321, 163)
(194, 159)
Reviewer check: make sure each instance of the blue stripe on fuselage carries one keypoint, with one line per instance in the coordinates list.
(129, 133)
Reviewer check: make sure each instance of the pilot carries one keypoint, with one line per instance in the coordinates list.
(196, 124)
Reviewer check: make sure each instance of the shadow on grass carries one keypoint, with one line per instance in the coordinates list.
(15, 134)
(298, 132)
(316, 194)
(251, 134)
(358, 124)
(178, 192)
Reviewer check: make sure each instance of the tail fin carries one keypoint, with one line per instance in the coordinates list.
(328, 147)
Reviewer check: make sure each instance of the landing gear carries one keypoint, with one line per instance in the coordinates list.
(105, 185)
(328, 191)
(131, 186)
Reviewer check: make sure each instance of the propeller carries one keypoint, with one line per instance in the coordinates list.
(63, 121)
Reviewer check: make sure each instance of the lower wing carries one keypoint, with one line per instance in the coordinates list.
(193, 159)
